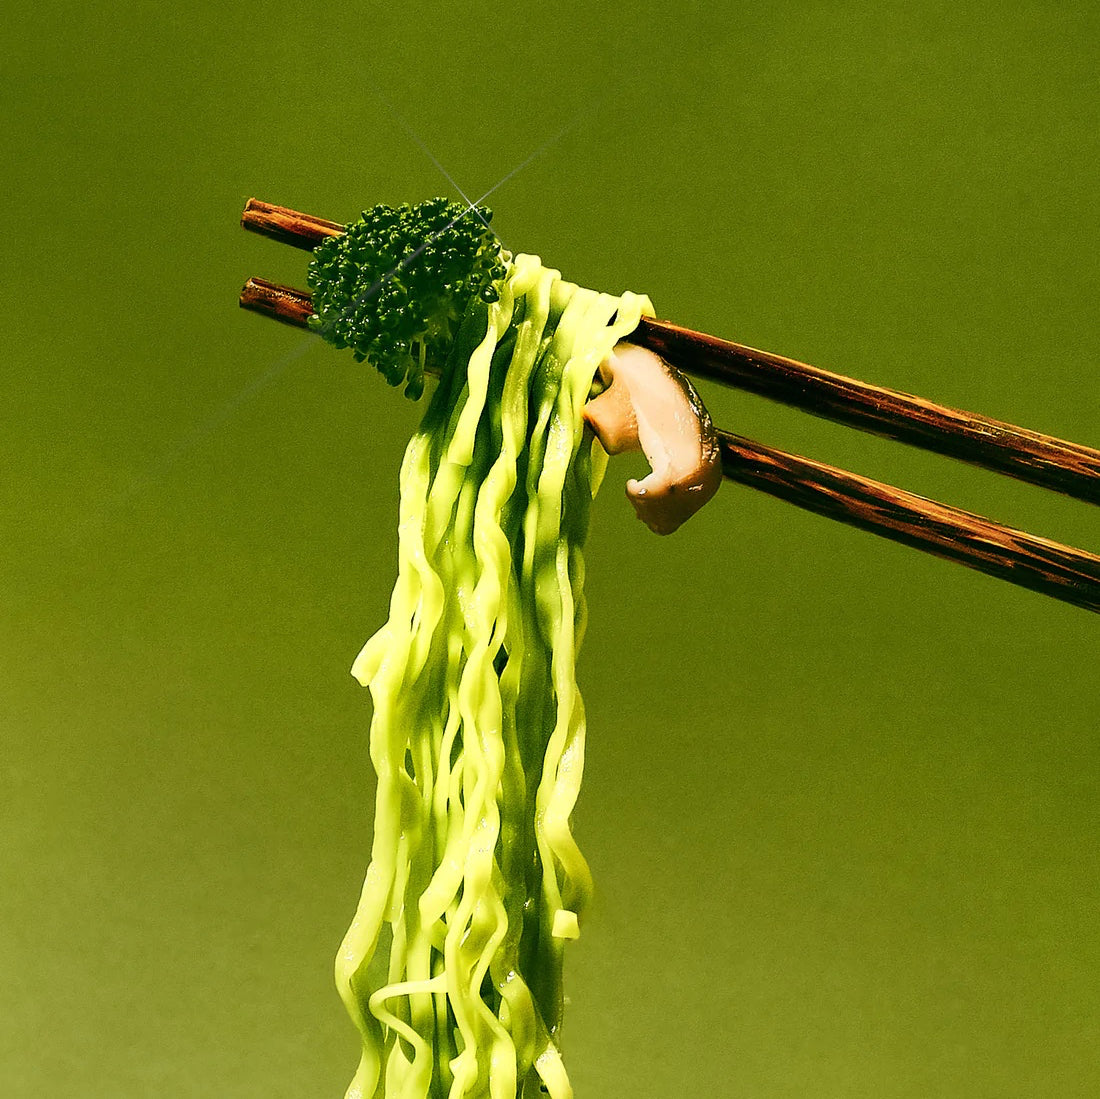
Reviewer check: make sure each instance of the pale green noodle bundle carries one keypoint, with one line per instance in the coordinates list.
(452, 967)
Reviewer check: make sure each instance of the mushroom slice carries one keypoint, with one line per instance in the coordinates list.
(649, 405)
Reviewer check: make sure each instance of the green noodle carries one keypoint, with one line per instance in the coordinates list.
(452, 967)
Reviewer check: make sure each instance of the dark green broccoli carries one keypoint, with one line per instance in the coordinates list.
(395, 285)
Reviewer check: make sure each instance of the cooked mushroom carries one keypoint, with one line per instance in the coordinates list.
(649, 405)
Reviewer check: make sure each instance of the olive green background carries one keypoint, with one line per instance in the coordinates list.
(841, 798)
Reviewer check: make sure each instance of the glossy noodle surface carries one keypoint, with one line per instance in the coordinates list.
(452, 967)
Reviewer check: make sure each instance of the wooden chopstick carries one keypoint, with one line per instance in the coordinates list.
(287, 226)
(1041, 565)
(1016, 451)
(1027, 455)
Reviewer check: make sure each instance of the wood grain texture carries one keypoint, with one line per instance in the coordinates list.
(1027, 455)
(283, 303)
(1051, 568)
(287, 226)
(1039, 564)
(1044, 460)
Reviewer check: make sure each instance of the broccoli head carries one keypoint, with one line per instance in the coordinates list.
(395, 285)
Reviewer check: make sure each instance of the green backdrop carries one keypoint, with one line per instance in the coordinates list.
(841, 798)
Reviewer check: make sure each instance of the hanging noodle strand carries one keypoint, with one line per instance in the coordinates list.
(452, 966)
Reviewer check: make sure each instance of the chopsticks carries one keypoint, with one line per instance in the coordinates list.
(1039, 564)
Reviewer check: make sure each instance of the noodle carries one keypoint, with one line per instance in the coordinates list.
(452, 966)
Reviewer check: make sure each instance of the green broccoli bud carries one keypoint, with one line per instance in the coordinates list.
(396, 284)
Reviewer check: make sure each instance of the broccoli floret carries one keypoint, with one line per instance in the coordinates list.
(395, 285)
